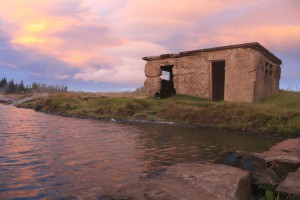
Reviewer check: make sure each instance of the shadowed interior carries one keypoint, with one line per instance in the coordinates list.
(218, 80)
(167, 84)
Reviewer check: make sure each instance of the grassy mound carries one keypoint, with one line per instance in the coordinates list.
(278, 114)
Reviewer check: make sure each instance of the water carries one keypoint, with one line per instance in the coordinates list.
(51, 157)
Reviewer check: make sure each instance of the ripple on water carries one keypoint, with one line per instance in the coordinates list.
(52, 157)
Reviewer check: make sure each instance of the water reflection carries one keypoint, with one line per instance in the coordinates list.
(44, 156)
(169, 145)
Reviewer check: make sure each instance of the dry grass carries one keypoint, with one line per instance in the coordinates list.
(278, 114)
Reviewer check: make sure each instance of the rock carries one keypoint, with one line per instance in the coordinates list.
(152, 69)
(107, 197)
(282, 165)
(4, 100)
(291, 184)
(252, 163)
(152, 85)
(284, 157)
(291, 146)
(193, 181)
(156, 172)
(242, 160)
(38, 108)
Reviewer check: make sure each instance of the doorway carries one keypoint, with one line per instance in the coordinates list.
(217, 80)
(167, 85)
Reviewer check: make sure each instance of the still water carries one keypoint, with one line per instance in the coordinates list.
(51, 157)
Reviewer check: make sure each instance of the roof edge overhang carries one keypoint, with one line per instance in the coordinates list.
(253, 45)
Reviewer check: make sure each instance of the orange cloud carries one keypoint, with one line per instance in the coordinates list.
(39, 27)
(105, 39)
(28, 40)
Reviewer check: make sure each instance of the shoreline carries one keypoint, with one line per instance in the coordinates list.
(165, 123)
(190, 112)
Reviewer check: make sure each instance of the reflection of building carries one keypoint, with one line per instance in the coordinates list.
(243, 72)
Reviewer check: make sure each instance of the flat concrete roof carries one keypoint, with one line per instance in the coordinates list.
(253, 45)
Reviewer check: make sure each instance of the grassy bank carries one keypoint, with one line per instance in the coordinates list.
(278, 114)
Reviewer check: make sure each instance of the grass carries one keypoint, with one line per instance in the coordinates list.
(268, 192)
(279, 114)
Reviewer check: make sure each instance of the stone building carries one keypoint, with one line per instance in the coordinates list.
(243, 73)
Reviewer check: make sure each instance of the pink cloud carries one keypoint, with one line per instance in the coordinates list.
(105, 40)
(276, 37)
(128, 69)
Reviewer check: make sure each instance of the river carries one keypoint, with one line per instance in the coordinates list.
(51, 157)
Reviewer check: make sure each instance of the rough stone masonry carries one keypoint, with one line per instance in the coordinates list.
(235, 73)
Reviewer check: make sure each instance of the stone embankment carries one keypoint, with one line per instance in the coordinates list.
(233, 176)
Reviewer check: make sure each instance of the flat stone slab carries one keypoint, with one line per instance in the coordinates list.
(194, 181)
(291, 184)
(289, 147)
(284, 157)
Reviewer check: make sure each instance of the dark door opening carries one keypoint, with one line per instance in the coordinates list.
(218, 80)
(167, 85)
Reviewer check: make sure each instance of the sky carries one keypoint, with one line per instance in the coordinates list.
(98, 45)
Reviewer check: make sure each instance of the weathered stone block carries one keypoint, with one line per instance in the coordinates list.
(194, 181)
(284, 157)
(152, 69)
(152, 86)
(291, 184)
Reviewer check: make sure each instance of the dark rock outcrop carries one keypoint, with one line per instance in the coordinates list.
(252, 163)
(270, 167)
(38, 108)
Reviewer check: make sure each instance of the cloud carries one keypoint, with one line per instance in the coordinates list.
(103, 41)
(26, 61)
(129, 67)
(158, 20)
(275, 37)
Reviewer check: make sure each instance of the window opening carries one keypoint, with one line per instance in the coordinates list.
(165, 75)
(269, 69)
(167, 85)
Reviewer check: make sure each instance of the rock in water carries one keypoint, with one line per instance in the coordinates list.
(252, 163)
(284, 157)
(242, 160)
(38, 108)
(194, 181)
(291, 184)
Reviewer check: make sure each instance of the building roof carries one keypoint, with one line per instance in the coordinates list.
(253, 45)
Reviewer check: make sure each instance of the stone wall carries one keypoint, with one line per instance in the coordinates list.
(265, 84)
(239, 76)
(191, 75)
